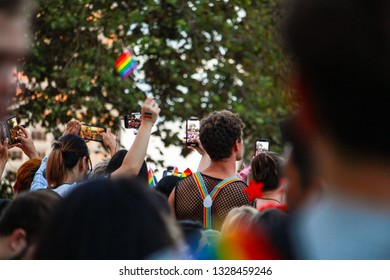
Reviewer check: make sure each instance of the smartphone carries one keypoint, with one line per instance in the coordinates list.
(10, 130)
(192, 131)
(262, 145)
(132, 121)
(93, 133)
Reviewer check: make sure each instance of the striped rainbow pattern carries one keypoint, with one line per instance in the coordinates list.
(225, 182)
(186, 173)
(175, 172)
(126, 64)
(207, 217)
(148, 115)
(152, 178)
(198, 178)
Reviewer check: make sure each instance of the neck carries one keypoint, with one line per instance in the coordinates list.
(70, 178)
(365, 179)
(221, 169)
(371, 183)
(273, 195)
(3, 248)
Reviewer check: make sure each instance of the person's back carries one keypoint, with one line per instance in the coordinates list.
(229, 197)
(209, 196)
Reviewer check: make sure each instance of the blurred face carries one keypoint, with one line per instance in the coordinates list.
(240, 150)
(13, 46)
(84, 169)
(295, 194)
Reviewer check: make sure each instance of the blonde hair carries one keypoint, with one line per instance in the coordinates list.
(237, 219)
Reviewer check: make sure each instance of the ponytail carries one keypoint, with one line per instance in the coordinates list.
(66, 153)
(55, 168)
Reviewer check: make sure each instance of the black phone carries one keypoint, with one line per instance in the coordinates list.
(10, 130)
(93, 133)
(192, 131)
(132, 121)
(262, 145)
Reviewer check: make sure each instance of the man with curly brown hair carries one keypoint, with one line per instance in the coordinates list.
(208, 196)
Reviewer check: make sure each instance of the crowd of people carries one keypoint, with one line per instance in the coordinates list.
(326, 197)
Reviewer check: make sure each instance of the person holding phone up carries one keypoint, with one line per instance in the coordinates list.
(69, 162)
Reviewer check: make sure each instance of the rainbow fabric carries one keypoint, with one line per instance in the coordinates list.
(152, 178)
(186, 173)
(148, 115)
(126, 64)
(204, 193)
(175, 172)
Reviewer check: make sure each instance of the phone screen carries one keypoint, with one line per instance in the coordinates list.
(262, 145)
(13, 129)
(192, 131)
(93, 133)
(132, 121)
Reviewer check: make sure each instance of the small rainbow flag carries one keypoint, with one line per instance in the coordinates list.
(186, 173)
(126, 64)
(152, 178)
(175, 172)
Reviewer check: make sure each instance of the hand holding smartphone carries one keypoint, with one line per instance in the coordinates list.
(10, 130)
(262, 145)
(132, 121)
(93, 133)
(192, 131)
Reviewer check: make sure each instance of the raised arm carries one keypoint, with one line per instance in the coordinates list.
(110, 141)
(3, 155)
(135, 156)
(26, 144)
(205, 160)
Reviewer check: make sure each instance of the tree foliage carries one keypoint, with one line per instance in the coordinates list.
(196, 57)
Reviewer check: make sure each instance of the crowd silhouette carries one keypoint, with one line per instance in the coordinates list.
(326, 197)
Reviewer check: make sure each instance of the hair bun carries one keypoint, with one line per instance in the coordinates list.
(57, 145)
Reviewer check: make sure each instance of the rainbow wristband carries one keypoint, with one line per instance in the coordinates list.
(148, 115)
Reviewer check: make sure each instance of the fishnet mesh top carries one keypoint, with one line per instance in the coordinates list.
(189, 203)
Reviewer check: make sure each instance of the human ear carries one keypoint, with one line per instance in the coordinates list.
(83, 164)
(17, 241)
(237, 144)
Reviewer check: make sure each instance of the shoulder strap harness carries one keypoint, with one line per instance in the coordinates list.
(208, 198)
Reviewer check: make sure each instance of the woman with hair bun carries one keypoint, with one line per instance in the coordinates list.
(267, 168)
(67, 164)
(69, 161)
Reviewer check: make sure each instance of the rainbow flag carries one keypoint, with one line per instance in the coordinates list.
(175, 172)
(126, 64)
(152, 178)
(186, 173)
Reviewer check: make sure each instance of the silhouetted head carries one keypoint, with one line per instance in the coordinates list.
(108, 219)
(341, 52)
(117, 160)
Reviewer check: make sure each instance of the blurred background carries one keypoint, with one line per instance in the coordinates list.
(195, 57)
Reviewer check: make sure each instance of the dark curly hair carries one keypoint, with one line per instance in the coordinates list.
(218, 133)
